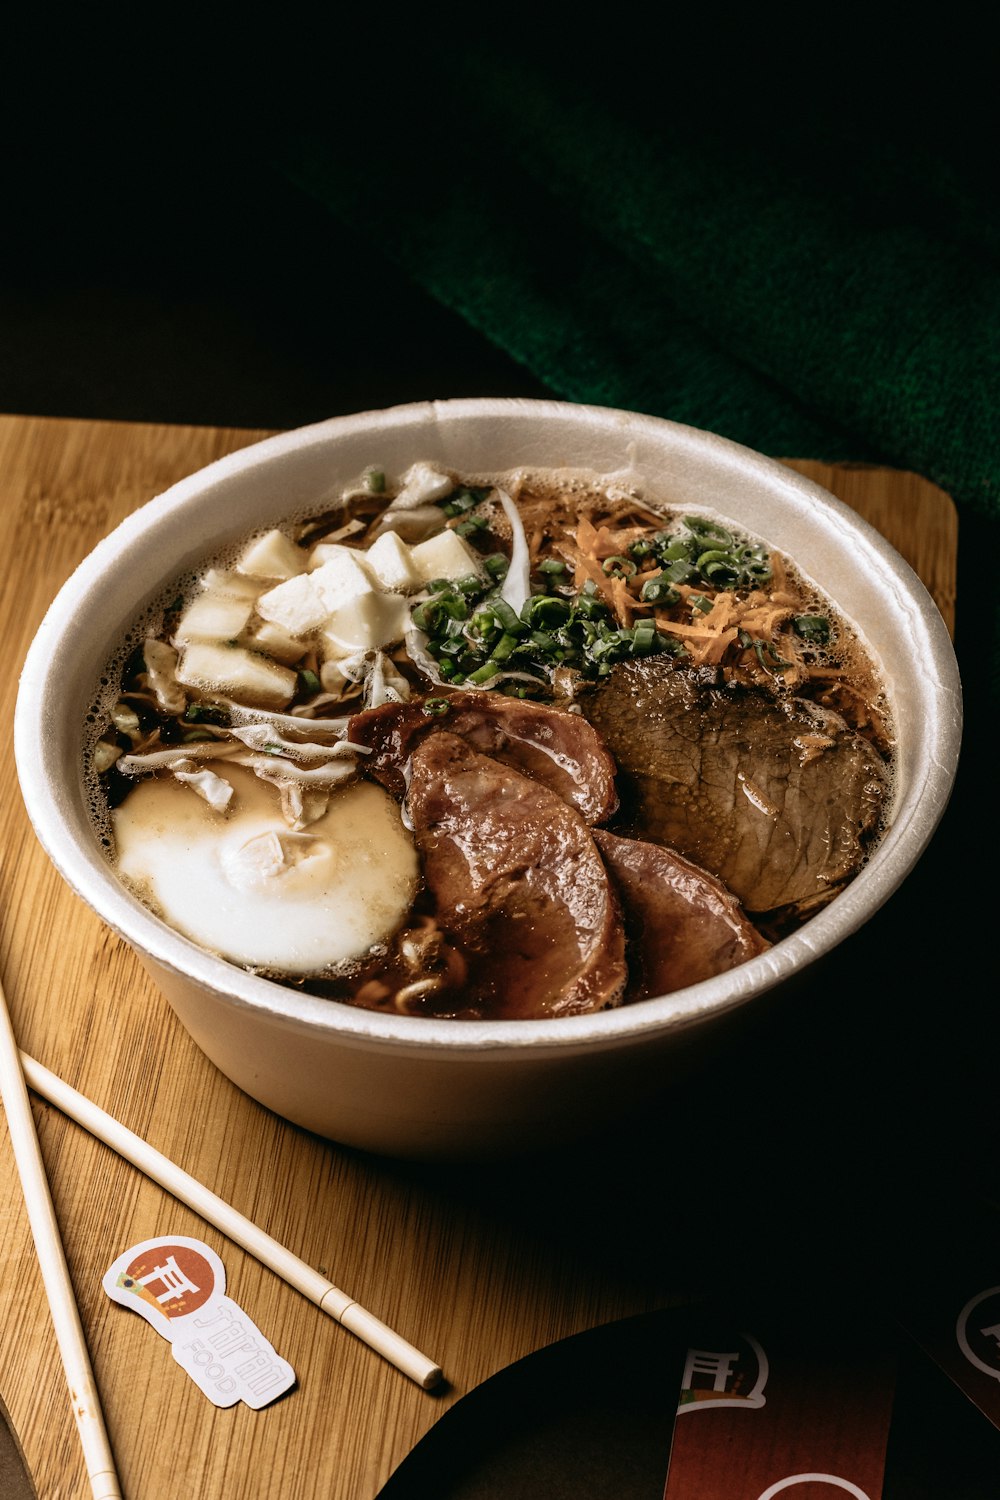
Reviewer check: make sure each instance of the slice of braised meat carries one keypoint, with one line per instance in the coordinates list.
(777, 798)
(518, 882)
(681, 924)
(559, 749)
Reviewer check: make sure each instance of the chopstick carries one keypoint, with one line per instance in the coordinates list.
(86, 1402)
(243, 1231)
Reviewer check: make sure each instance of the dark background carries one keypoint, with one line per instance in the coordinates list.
(156, 262)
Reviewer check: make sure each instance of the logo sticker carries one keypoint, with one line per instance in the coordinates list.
(178, 1285)
(724, 1377)
(977, 1330)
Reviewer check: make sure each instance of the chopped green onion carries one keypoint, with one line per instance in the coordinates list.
(659, 591)
(720, 568)
(707, 530)
(458, 502)
(484, 673)
(545, 609)
(504, 646)
(496, 564)
(551, 565)
(375, 481)
(676, 549)
(436, 706)
(207, 713)
(812, 628)
(308, 681)
(776, 661)
(471, 526)
(507, 617)
(590, 607)
(619, 567)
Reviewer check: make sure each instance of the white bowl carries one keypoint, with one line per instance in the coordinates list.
(450, 1089)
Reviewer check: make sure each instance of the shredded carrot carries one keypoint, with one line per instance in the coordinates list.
(779, 574)
(622, 602)
(762, 623)
(713, 650)
(586, 536)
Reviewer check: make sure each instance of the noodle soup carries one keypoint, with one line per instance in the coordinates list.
(515, 745)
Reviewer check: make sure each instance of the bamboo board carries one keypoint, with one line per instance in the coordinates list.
(473, 1287)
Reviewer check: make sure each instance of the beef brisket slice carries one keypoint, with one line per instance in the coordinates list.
(777, 798)
(558, 749)
(681, 924)
(518, 882)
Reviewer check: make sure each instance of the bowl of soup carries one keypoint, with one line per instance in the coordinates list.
(453, 768)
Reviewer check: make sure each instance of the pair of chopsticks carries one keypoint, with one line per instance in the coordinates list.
(17, 1071)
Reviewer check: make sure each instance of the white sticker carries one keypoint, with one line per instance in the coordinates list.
(178, 1285)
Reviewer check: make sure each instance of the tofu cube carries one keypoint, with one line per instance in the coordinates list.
(274, 556)
(233, 672)
(213, 617)
(388, 558)
(295, 605)
(222, 581)
(342, 576)
(366, 623)
(277, 643)
(443, 556)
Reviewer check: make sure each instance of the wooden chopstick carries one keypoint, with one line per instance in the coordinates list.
(98, 1457)
(329, 1298)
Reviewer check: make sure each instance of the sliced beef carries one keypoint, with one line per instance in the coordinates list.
(518, 883)
(559, 749)
(681, 924)
(777, 798)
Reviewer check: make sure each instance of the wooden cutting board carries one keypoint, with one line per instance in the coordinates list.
(472, 1285)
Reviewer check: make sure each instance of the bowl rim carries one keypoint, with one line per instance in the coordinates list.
(89, 874)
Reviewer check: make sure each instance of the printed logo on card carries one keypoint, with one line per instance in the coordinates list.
(168, 1279)
(178, 1285)
(734, 1374)
(977, 1330)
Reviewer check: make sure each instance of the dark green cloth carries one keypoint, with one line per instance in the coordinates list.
(739, 246)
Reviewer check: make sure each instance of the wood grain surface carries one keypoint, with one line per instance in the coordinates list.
(470, 1284)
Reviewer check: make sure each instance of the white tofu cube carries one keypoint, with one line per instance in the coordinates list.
(221, 581)
(296, 605)
(233, 672)
(342, 576)
(366, 623)
(274, 556)
(213, 617)
(277, 643)
(388, 558)
(324, 551)
(444, 556)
